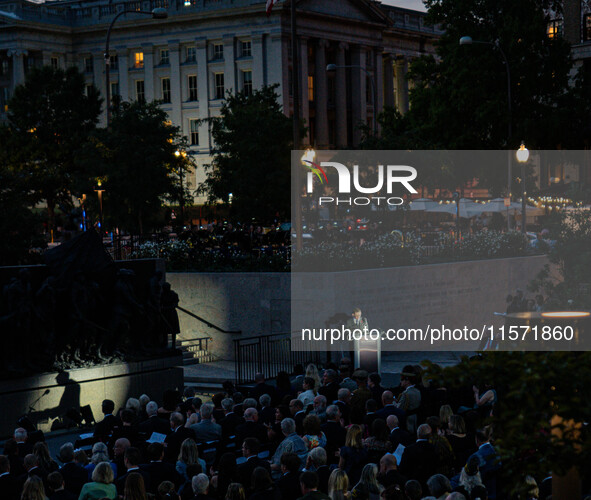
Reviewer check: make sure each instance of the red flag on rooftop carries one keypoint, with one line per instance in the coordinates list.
(270, 4)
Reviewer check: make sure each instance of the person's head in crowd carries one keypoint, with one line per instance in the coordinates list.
(387, 398)
(55, 481)
(312, 372)
(295, 406)
(103, 473)
(100, 453)
(120, 447)
(320, 404)
(283, 382)
(482, 436)
(312, 426)
(167, 491)
(338, 484)
(374, 380)
(66, 454)
(200, 484)
(531, 486)
(282, 412)
(251, 447)
(217, 400)
(288, 426)
(317, 457)
(238, 398)
(133, 404)
(41, 451)
(344, 371)
(457, 425)
(155, 452)
(371, 406)
(379, 430)
(392, 422)
(176, 420)
(189, 392)
(189, 453)
(308, 482)
(206, 411)
(135, 488)
(438, 485)
(470, 474)
(132, 457)
(144, 399)
(227, 405)
(259, 378)
(344, 395)
(249, 403)
(360, 377)
(4, 464)
(413, 490)
(235, 492)
(333, 413)
(20, 435)
(33, 489)
(353, 437)
(309, 384)
(80, 458)
(128, 417)
(251, 415)
(369, 478)
(261, 480)
(387, 463)
(329, 376)
(392, 492)
(108, 407)
(196, 403)
(434, 423)
(408, 376)
(152, 409)
(30, 462)
(290, 462)
(423, 431)
(445, 413)
(265, 401)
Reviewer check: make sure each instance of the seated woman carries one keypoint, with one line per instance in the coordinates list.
(313, 435)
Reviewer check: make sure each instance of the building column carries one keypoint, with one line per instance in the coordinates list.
(379, 83)
(401, 85)
(388, 81)
(98, 70)
(358, 93)
(175, 81)
(229, 64)
(258, 71)
(274, 47)
(321, 96)
(148, 50)
(341, 98)
(18, 65)
(303, 60)
(123, 70)
(203, 90)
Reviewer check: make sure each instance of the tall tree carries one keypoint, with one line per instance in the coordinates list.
(51, 116)
(251, 156)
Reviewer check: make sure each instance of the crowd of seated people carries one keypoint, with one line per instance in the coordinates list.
(325, 434)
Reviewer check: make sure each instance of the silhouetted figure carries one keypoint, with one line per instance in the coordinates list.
(170, 301)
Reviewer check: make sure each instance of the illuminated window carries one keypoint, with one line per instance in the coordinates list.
(310, 88)
(139, 60)
(192, 85)
(164, 56)
(165, 85)
(587, 27)
(247, 82)
(218, 50)
(246, 48)
(191, 54)
(219, 86)
(140, 91)
(554, 29)
(194, 129)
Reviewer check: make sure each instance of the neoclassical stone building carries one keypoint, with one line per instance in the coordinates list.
(207, 47)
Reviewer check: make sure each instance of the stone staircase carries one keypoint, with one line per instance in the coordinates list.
(195, 350)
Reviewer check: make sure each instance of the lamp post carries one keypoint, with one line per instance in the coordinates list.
(522, 155)
(467, 40)
(158, 13)
(181, 155)
(334, 67)
(100, 190)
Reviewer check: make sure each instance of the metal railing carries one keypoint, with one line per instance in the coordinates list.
(207, 323)
(269, 354)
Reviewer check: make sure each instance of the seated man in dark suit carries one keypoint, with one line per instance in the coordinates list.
(32, 468)
(175, 439)
(296, 407)
(316, 462)
(74, 475)
(267, 413)
(250, 449)
(389, 474)
(56, 483)
(331, 386)
(489, 462)
(289, 482)
(206, 429)
(419, 460)
(398, 435)
(231, 419)
(8, 484)
(104, 428)
(133, 457)
(251, 428)
(158, 470)
(24, 448)
(335, 433)
(390, 408)
(154, 423)
(126, 429)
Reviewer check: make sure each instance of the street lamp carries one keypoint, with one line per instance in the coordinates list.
(467, 40)
(181, 155)
(334, 67)
(522, 155)
(100, 190)
(157, 13)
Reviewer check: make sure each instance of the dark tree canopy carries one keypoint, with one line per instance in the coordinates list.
(251, 157)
